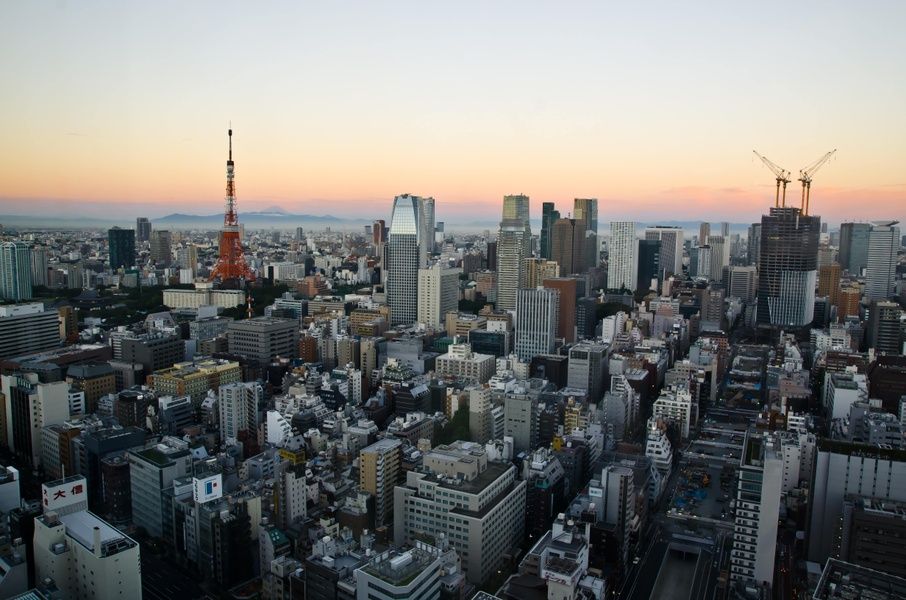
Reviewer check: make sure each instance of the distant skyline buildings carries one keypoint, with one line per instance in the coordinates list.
(622, 266)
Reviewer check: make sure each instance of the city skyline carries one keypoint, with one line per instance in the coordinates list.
(645, 110)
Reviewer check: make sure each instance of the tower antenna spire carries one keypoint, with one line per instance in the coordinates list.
(230, 134)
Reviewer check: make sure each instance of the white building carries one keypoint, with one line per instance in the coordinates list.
(880, 270)
(204, 294)
(676, 405)
(438, 294)
(84, 555)
(393, 574)
(238, 405)
(757, 509)
(841, 391)
(658, 448)
(479, 505)
(623, 256)
(460, 361)
(537, 312)
(513, 246)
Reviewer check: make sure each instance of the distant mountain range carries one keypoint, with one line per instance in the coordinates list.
(277, 218)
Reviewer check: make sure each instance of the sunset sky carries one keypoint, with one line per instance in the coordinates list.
(121, 108)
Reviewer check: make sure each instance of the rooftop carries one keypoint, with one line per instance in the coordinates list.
(846, 581)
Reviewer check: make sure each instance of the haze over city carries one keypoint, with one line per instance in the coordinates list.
(120, 108)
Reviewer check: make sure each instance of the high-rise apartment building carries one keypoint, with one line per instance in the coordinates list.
(788, 268)
(568, 246)
(39, 265)
(720, 255)
(237, 405)
(428, 226)
(536, 321)
(757, 509)
(622, 263)
(15, 271)
(379, 472)
(854, 246)
(881, 265)
(405, 256)
(438, 294)
(161, 247)
(671, 256)
(549, 216)
(142, 229)
(514, 240)
(539, 269)
(121, 244)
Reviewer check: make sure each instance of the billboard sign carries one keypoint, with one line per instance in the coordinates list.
(207, 488)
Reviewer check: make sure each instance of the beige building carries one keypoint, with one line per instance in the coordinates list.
(438, 294)
(539, 269)
(204, 294)
(460, 361)
(194, 379)
(460, 324)
(379, 469)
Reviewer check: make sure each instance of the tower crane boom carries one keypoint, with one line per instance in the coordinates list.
(782, 175)
(805, 176)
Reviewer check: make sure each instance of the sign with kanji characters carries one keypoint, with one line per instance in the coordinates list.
(207, 488)
(59, 494)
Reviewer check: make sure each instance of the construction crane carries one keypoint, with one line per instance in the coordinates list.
(782, 175)
(805, 176)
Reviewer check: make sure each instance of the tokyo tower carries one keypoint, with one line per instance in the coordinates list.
(231, 265)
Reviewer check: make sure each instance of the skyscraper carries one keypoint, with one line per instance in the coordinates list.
(549, 216)
(621, 268)
(513, 244)
(649, 264)
(854, 246)
(161, 247)
(754, 243)
(881, 264)
(671, 256)
(379, 467)
(536, 321)
(885, 329)
(585, 210)
(788, 268)
(516, 207)
(15, 271)
(122, 247)
(704, 230)
(829, 282)
(142, 229)
(39, 265)
(427, 208)
(404, 257)
(568, 246)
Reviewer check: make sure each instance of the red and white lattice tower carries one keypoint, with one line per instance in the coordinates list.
(231, 264)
